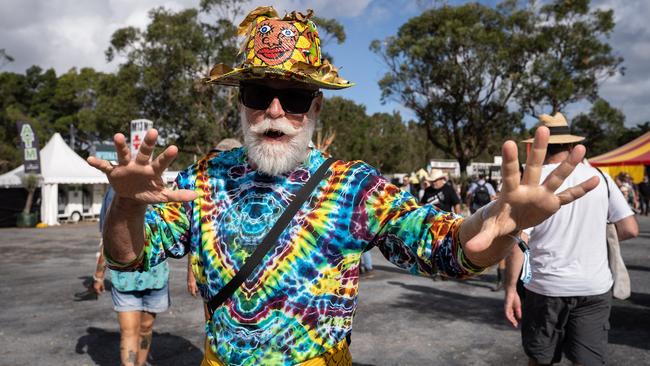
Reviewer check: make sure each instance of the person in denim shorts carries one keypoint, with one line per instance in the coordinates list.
(137, 298)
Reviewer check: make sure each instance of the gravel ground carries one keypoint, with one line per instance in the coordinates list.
(401, 319)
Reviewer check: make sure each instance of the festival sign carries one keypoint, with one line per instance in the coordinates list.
(139, 128)
(29, 145)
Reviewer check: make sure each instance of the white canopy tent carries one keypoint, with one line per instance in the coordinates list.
(59, 165)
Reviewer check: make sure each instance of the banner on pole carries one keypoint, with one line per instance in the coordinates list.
(139, 128)
(29, 145)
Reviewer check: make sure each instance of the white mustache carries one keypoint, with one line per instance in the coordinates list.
(281, 125)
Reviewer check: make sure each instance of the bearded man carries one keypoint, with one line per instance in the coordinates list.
(296, 306)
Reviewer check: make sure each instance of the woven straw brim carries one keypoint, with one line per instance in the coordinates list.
(559, 139)
(237, 75)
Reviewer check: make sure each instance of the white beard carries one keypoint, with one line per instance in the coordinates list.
(275, 158)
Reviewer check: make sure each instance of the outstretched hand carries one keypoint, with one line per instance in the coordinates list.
(140, 179)
(526, 202)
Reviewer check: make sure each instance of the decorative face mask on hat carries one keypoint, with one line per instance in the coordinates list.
(275, 41)
(281, 48)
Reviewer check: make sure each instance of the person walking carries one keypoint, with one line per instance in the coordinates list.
(137, 298)
(568, 298)
(479, 193)
(279, 228)
(644, 195)
(440, 193)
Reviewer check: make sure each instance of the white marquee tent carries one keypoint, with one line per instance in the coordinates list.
(59, 165)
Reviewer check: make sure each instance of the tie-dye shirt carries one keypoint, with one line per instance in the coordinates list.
(301, 299)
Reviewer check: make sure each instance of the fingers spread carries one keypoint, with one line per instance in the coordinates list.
(571, 194)
(122, 149)
(510, 166)
(536, 156)
(147, 146)
(559, 174)
(181, 195)
(100, 164)
(164, 159)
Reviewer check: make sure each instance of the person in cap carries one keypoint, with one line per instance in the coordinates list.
(440, 194)
(296, 306)
(568, 298)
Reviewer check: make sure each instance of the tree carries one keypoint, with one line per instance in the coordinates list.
(30, 183)
(24, 97)
(570, 56)
(471, 72)
(168, 59)
(5, 58)
(630, 134)
(382, 140)
(329, 30)
(601, 127)
(458, 68)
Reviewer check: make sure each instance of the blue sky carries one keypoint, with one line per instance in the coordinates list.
(67, 33)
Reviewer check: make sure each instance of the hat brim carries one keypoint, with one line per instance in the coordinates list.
(234, 77)
(559, 139)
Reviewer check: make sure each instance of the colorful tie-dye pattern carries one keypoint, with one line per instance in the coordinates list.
(300, 301)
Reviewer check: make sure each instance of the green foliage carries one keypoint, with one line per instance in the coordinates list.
(570, 56)
(456, 68)
(630, 134)
(165, 61)
(601, 127)
(471, 72)
(329, 30)
(604, 128)
(382, 140)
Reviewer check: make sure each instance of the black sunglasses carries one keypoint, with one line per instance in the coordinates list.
(294, 101)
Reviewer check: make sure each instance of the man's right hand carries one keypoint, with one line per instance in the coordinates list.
(512, 307)
(98, 286)
(140, 180)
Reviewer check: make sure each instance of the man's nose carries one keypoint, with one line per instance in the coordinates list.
(275, 109)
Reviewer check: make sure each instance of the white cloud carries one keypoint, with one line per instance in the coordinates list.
(322, 8)
(71, 33)
(631, 39)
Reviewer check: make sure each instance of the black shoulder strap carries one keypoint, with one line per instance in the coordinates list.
(270, 239)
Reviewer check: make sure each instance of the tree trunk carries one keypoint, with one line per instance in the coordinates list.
(28, 203)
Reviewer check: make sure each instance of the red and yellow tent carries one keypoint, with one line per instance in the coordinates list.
(631, 157)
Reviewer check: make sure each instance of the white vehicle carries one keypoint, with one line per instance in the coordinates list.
(79, 202)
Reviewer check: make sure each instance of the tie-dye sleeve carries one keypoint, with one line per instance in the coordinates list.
(417, 238)
(167, 228)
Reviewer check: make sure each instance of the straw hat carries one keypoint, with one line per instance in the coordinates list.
(560, 131)
(414, 179)
(436, 174)
(285, 48)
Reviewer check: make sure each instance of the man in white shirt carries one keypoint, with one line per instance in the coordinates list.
(568, 298)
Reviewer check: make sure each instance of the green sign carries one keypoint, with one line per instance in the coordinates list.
(29, 145)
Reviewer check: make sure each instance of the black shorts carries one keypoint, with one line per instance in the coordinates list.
(577, 325)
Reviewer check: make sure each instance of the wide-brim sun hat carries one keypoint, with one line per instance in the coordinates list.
(436, 174)
(560, 131)
(285, 48)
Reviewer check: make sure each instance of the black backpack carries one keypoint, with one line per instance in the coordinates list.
(481, 195)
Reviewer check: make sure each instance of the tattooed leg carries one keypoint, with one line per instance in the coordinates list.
(146, 333)
(129, 336)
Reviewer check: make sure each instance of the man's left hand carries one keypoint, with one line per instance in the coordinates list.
(524, 202)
